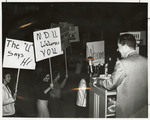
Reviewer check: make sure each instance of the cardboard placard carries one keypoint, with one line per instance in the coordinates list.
(64, 28)
(74, 34)
(96, 51)
(47, 43)
(18, 54)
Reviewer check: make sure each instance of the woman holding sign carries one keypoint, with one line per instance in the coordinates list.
(43, 95)
(8, 99)
(55, 94)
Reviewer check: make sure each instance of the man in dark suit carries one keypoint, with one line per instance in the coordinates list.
(130, 78)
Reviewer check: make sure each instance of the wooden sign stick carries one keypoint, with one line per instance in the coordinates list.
(66, 62)
(17, 80)
(50, 67)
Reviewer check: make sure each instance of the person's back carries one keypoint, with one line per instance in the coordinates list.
(130, 78)
(133, 91)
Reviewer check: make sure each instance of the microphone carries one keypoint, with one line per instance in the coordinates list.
(90, 64)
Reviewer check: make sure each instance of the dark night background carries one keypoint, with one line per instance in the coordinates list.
(102, 21)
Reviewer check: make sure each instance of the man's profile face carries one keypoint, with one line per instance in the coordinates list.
(121, 49)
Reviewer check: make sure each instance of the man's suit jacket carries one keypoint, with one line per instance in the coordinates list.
(130, 77)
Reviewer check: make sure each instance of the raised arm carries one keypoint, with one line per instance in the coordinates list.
(63, 83)
(48, 89)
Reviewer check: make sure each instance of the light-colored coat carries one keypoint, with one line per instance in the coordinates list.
(8, 102)
(130, 78)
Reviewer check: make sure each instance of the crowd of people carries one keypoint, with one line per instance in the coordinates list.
(130, 79)
(46, 90)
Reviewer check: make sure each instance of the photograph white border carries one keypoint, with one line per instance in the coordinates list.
(123, 1)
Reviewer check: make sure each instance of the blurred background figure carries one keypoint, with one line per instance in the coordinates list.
(55, 94)
(43, 95)
(81, 108)
(8, 99)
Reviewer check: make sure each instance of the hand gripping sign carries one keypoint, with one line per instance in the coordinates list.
(18, 54)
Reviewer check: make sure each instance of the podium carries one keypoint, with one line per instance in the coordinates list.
(99, 105)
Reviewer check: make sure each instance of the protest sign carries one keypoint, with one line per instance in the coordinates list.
(64, 29)
(74, 34)
(47, 43)
(96, 51)
(18, 54)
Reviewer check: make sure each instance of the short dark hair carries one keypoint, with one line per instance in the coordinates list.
(44, 73)
(127, 39)
(5, 72)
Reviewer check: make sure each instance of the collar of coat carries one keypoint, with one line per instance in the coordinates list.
(133, 52)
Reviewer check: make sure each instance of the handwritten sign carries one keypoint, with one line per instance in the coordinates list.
(47, 43)
(18, 54)
(74, 34)
(64, 28)
(96, 50)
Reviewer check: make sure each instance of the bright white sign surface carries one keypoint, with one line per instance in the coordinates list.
(47, 43)
(96, 51)
(18, 54)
